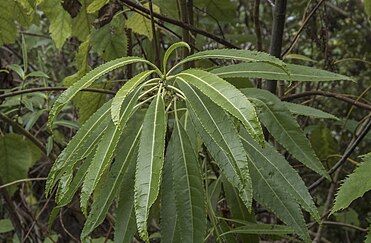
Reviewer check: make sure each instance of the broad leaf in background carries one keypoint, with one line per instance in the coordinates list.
(284, 128)
(268, 71)
(17, 156)
(110, 41)
(96, 5)
(60, 21)
(82, 23)
(323, 142)
(150, 161)
(227, 97)
(140, 24)
(353, 187)
(8, 30)
(5, 226)
(220, 136)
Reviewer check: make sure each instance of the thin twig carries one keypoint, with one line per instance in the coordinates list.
(22, 180)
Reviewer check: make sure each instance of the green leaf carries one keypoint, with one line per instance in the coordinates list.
(170, 50)
(188, 187)
(282, 173)
(227, 97)
(81, 24)
(275, 198)
(304, 110)
(87, 80)
(110, 41)
(323, 142)
(296, 56)
(355, 185)
(141, 24)
(96, 5)
(240, 55)
(8, 29)
(150, 162)
(368, 10)
(60, 27)
(268, 71)
(168, 211)
(5, 226)
(220, 136)
(126, 89)
(17, 156)
(121, 175)
(284, 128)
(105, 150)
(261, 229)
(80, 145)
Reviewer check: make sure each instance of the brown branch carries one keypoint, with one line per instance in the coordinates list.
(328, 94)
(32, 90)
(306, 21)
(145, 11)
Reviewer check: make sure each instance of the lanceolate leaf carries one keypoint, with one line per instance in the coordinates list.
(128, 87)
(357, 184)
(150, 162)
(121, 175)
(221, 138)
(275, 198)
(268, 71)
(169, 227)
(284, 128)
(170, 50)
(188, 188)
(226, 96)
(106, 148)
(87, 80)
(282, 173)
(304, 110)
(240, 55)
(80, 145)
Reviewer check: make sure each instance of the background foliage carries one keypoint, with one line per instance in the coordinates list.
(48, 45)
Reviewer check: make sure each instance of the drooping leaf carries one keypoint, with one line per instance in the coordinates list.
(150, 162)
(80, 145)
(170, 50)
(355, 185)
(121, 175)
(81, 24)
(268, 71)
(168, 214)
(240, 55)
(141, 24)
(275, 198)
(120, 96)
(284, 128)
(110, 41)
(106, 149)
(227, 97)
(17, 156)
(304, 110)
(282, 173)
(188, 190)
(87, 80)
(261, 229)
(221, 138)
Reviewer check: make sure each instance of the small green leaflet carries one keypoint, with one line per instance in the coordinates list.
(354, 186)
(188, 188)
(284, 128)
(227, 97)
(105, 150)
(128, 87)
(150, 162)
(268, 71)
(87, 80)
(304, 110)
(220, 136)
